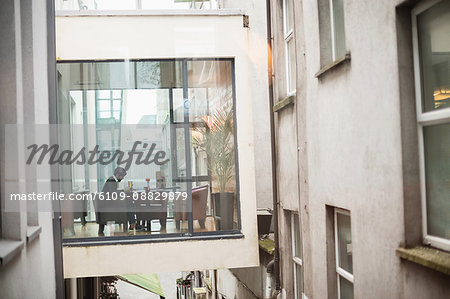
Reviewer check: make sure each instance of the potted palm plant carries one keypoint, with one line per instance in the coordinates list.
(217, 141)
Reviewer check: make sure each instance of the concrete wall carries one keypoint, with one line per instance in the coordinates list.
(348, 124)
(24, 99)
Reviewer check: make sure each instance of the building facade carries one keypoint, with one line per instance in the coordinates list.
(30, 253)
(360, 92)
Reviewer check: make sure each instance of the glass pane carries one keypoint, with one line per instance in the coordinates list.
(165, 4)
(291, 64)
(104, 105)
(111, 4)
(299, 280)
(344, 242)
(346, 288)
(106, 114)
(297, 236)
(289, 15)
(198, 104)
(213, 150)
(117, 94)
(437, 174)
(434, 46)
(339, 29)
(132, 4)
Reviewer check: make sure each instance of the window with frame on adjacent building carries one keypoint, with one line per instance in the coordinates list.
(431, 44)
(288, 33)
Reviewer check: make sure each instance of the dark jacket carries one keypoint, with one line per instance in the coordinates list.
(111, 210)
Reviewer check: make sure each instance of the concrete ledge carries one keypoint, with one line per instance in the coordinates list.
(283, 103)
(33, 232)
(9, 249)
(429, 257)
(334, 64)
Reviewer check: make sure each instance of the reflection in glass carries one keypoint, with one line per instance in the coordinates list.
(437, 175)
(81, 5)
(344, 242)
(291, 65)
(145, 108)
(299, 280)
(339, 29)
(433, 27)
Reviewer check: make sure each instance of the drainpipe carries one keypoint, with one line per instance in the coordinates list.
(276, 260)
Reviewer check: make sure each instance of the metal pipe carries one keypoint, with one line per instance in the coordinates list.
(273, 151)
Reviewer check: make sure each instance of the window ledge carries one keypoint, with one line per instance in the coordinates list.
(283, 103)
(429, 257)
(9, 249)
(33, 232)
(334, 64)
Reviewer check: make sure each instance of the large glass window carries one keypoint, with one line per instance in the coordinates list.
(174, 120)
(297, 255)
(431, 23)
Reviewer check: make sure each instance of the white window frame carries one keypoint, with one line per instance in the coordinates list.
(340, 271)
(288, 36)
(297, 260)
(424, 119)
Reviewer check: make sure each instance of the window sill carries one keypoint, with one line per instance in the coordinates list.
(283, 103)
(33, 232)
(338, 62)
(9, 249)
(428, 257)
